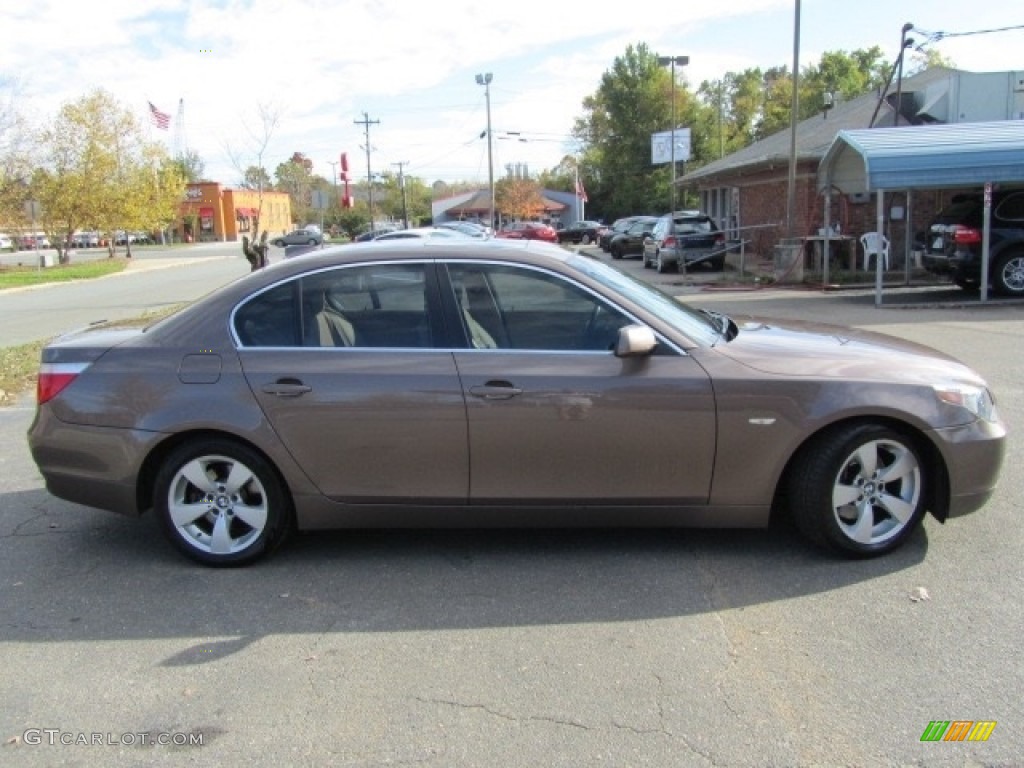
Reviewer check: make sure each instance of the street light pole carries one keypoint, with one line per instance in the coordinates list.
(681, 61)
(485, 81)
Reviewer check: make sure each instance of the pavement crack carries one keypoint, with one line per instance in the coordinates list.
(504, 715)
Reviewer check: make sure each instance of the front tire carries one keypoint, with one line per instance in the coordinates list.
(859, 490)
(586, 240)
(221, 503)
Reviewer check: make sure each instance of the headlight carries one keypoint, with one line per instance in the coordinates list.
(977, 400)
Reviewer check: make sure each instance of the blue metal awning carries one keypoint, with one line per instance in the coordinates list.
(925, 156)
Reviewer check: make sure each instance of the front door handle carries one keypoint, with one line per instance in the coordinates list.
(495, 390)
(287, 388)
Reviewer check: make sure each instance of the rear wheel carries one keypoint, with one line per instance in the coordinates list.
(859, 490)
(660, 264)
(1008, 277)
(221, 503)
(586, 240)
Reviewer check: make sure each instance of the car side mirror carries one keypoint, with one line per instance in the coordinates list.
(635, 341)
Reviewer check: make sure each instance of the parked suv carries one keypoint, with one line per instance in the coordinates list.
(685, 235)
(953, 245)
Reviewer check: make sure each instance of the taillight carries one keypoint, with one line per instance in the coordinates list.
(669, 242)
(54, 378)
(720, 239)
(966, 235)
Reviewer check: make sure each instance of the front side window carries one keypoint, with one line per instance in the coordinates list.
(507, 307)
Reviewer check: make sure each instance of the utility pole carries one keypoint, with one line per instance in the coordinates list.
(366, 122)
(401, 185)
(673, 61)
(485, 81)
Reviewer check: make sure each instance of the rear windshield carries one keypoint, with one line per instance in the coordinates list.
(693, 226)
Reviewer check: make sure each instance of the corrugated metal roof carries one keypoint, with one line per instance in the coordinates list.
(915, 157)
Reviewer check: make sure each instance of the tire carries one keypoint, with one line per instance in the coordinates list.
(216, 522)
(859, 490)
(312, 241)
(660, 265)
(616, 253)
(586, 240)
(717, 264)
(1008, 276)
(279, 243)
(647, 263)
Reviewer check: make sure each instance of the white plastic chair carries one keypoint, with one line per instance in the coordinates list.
(875, 244)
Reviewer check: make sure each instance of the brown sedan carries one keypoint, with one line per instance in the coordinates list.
(501, 383)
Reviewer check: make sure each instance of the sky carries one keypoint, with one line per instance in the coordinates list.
(409, 68)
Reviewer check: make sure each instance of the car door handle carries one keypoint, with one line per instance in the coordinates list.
(495, 390)
(286, 388)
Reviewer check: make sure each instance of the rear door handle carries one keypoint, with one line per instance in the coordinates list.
(495, 390)
(287, 388)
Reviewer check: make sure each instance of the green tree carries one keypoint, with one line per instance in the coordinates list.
(632, 102)
(296, 178)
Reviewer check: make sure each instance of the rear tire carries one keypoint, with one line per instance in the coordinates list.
(860, 490)
(221, 503)
(1008, 276)
(586, 240)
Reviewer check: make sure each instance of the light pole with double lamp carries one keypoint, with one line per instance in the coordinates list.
(682, 61)
(485, 81)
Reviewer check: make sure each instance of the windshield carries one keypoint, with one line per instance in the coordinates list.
(695, 325)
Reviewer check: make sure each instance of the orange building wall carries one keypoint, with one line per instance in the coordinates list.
(228, 214)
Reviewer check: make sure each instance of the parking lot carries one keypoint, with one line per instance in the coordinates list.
(502, 648)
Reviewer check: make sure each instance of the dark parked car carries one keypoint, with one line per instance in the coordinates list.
(528, 230)
(580, 232)
(631, 241)
(685, 236)
(605, 234)
(486, 383)
(299, 237)
(954, 239)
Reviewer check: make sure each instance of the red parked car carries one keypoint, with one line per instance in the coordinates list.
(528, 230)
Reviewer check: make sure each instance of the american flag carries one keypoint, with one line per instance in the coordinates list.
(581, 193)
(161, 120)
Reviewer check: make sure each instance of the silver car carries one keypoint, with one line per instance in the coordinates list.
(483, 383)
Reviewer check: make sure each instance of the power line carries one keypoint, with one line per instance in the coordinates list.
(934, 37)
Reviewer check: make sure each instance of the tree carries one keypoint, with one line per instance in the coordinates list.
(97, 170)
(295, 178)
(190, 166)
(17, 150)
(633, 101)
(245, 162)
(518, 198)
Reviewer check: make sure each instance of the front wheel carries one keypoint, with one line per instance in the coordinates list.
(1008, 277)
(859, 490)
(279, 243)
(586, 240)
(220, 503)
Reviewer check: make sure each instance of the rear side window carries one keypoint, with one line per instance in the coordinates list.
(270, 319)
(1011, 208)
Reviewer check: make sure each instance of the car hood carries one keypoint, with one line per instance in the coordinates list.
(796, 348)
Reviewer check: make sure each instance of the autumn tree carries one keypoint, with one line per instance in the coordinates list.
(97, 170)
(518, 198)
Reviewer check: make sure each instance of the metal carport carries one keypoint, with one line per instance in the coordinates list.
(918, 157)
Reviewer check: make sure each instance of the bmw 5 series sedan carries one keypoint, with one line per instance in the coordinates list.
(502, 383)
